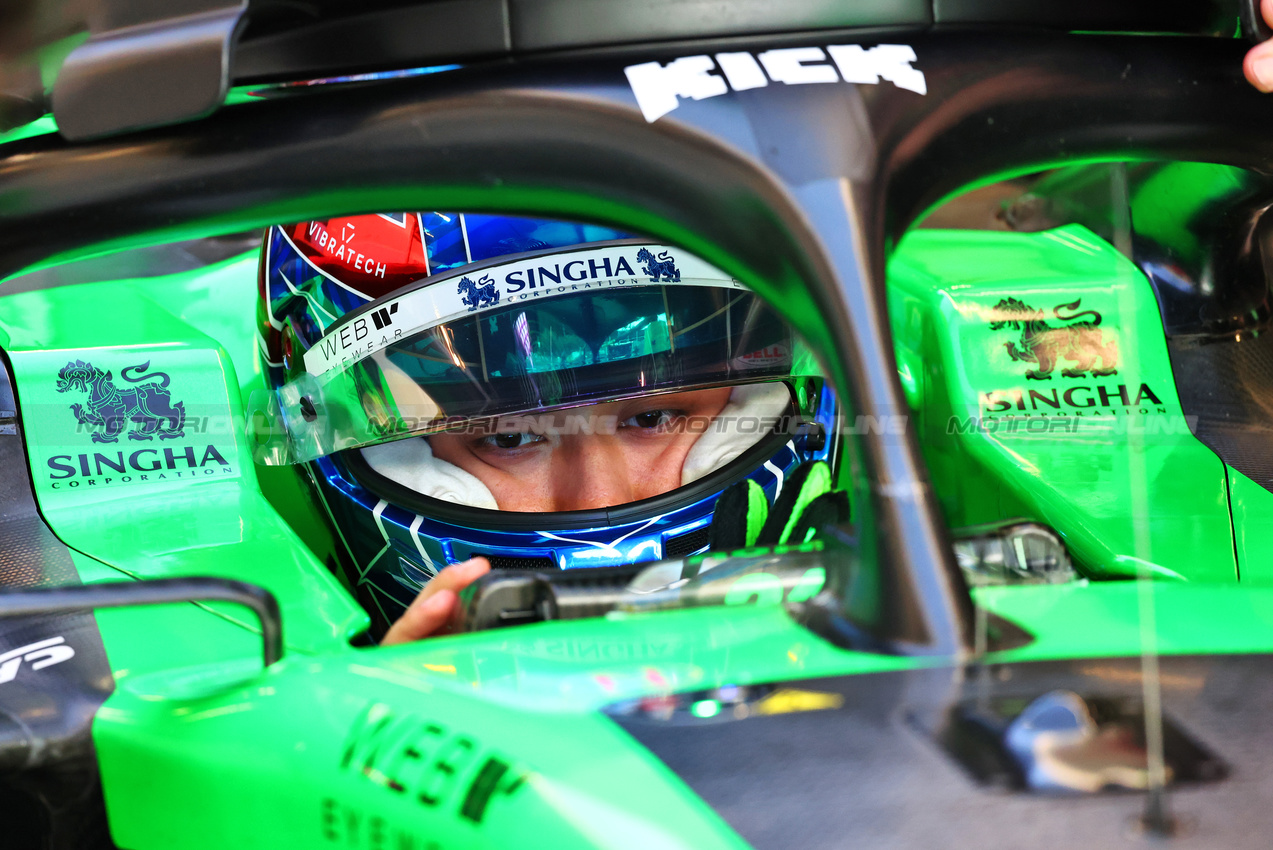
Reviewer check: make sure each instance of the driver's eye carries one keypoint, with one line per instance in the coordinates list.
(512, 440)
(651, 419)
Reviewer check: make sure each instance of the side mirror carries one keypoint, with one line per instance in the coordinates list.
(1012, 552)
(123, 594)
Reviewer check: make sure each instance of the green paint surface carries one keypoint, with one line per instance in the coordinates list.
(175, 508)
(1105, 459)
(314, 752)
(482, 740)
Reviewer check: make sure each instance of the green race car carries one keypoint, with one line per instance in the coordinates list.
(1030, 262)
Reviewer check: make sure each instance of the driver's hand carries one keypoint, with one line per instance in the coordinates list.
(436, 611)
(1258, 66)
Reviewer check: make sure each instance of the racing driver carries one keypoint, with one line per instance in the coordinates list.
(481, 390)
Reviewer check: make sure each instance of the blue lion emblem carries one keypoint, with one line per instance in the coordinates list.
(480, 294)
(663, 266)
(147, 403)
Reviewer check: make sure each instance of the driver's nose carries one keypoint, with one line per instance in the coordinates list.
(589, 471)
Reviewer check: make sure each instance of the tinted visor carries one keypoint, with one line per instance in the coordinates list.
(558, 344)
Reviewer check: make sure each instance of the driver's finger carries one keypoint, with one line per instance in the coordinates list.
(434, 608)
(458, 576)
(427, 615)
(1258, 65)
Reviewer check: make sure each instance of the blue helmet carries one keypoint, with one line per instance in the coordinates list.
(387, 335)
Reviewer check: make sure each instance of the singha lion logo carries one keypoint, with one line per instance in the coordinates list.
(480, 294)
(1082, 342)
(147, 403)
(661, 267)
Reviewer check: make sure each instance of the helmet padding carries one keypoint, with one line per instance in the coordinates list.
(726, 438)
(412, 464)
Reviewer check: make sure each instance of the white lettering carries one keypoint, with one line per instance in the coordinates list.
(41, 654)
(890, 61)
(787, 65)
(742, 71)
(657, 87)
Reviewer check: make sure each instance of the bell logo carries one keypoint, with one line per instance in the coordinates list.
(658, 87)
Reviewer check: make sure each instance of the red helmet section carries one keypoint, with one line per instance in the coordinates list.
(373, 254)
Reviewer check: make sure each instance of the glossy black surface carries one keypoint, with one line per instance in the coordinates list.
(326, 38)
(1224, 390)
(145, 73)
(1254, 28)
(148, 64)
(871, 767)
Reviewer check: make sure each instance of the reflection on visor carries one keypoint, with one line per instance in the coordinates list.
(570, 344)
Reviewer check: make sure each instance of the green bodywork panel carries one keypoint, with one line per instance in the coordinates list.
(151, 508)
(497, 738)
(1023, 421)
(527, 698)
(388, 747)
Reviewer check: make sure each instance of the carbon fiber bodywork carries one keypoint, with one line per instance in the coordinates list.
(46, 715)
(865, 760)
(1226, 385)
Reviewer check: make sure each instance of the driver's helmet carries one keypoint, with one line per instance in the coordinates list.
(393, 338)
